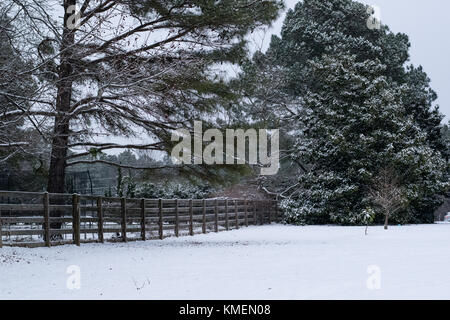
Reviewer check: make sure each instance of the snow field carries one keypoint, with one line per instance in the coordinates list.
(264, 262)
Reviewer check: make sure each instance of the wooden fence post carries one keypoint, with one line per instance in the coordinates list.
(76, 219)
(260, 212)
(143, 222)
(204, 216)
(123, 205)
(46, 220)
(236, 214)
(272, 218)
(227, 221)
(263, 212)
(246, 212)
(1, 235)
(277, 210)
(191, 218)
(216, 216)
(255, 220)
(177, 219)
(160, 214)
(256, 212)
(274, 206)
(101, 238)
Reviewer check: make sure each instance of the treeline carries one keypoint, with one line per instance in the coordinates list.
(111, 181)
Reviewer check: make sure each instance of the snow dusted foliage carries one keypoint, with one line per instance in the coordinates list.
(173, 191)
(353, 124)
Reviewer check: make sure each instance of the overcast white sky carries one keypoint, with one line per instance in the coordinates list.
(427, 23)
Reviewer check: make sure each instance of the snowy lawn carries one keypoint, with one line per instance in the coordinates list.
(267, 262)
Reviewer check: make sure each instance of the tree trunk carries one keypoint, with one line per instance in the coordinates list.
(386, 221)
(61, 131)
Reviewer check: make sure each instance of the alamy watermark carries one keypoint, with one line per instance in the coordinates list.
(73, 21)
(74, 280)
(233, 151)
(374, 21)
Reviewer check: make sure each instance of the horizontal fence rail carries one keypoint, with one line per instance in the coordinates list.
(44, 219)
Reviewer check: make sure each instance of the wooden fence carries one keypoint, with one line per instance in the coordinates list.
(44, 219)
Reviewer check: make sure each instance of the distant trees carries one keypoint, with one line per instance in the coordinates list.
(103, 179)
(353, 125)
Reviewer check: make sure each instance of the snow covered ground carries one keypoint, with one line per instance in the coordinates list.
(267, 262)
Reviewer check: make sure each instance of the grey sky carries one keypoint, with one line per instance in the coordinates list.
(426, 23)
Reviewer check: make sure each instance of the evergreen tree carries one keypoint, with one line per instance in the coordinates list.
(318, 27)
(353, 125)
(360, 109)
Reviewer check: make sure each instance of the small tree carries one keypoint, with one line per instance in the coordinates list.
(387, 192)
